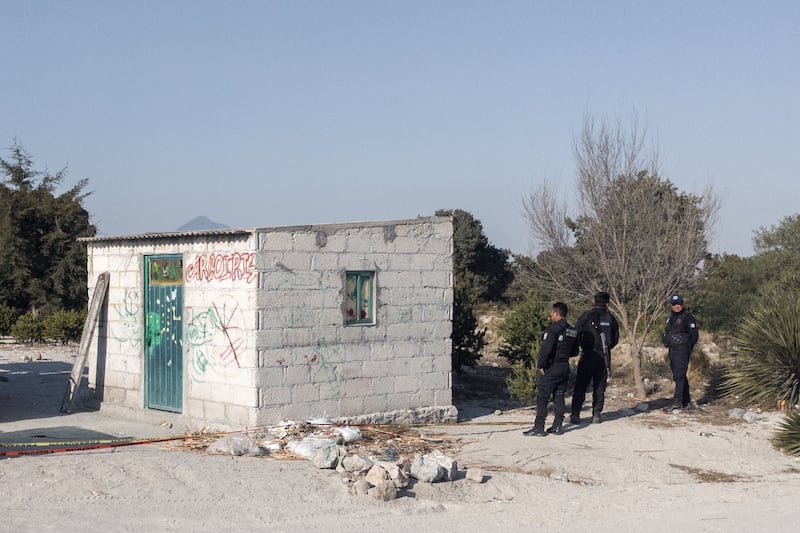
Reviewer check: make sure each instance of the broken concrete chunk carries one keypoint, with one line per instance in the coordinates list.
(396, 474)
(356, 464)
(384, 491)
(426, 469)
(360, 488)
(448, 464)
(475, 474)
(376, 475)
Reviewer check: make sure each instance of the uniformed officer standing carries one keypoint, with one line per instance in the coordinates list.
(559, 343)
(680, 336)
(598, 333)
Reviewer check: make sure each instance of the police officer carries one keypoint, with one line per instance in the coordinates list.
(598, 333)
(680, 336)
(559, 343)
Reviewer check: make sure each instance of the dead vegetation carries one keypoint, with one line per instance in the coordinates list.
(709, 476)
(383, 442)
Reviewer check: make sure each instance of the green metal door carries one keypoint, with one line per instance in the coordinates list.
(163, 335)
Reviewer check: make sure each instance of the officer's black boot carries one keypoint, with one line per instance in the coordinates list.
(557, 427)
(538, 428)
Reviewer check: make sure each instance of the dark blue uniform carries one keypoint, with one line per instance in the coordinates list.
(680, 336)
(592, 364)
(559, 343)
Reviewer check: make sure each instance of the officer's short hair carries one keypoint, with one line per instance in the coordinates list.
(602, 298)
(561, 309)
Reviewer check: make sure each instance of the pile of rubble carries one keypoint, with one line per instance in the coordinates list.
(372, 460)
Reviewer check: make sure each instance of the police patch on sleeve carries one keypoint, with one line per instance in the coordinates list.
(544, 337)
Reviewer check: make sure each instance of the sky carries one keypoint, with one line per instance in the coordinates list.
(276, 113)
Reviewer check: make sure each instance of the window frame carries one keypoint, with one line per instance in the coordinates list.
(361, 276)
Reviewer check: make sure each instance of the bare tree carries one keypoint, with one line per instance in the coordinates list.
(634, 234)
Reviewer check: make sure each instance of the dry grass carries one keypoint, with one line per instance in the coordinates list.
(385, 442)
(709, 476)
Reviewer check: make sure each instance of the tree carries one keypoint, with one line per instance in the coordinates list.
(481, 273)
(727, 288)
(480, 268)
(635, 235)
(468, 340)
(42, 264)
(777, 255)
(522, 329)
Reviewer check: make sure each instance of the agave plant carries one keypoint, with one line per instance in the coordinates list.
(766, 370)
(787, 438)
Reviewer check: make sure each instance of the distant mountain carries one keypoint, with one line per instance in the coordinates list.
(201, 222)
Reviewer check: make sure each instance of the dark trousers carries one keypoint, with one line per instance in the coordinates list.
(552, 384)
(679, 363)
(591, 368)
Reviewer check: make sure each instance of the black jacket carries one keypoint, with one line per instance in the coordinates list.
(589, 326)
(559, 343)
(681, 330)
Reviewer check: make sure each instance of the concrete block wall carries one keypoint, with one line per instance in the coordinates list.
(310, 363)
(220, 361)
(218, 321)
(264, 334)
(117, 376)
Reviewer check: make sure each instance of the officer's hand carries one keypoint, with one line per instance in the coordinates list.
(541, 371)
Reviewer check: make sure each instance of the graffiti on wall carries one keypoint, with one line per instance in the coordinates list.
(215, 337)
(322, 365)
(127, 327)
(233, 266)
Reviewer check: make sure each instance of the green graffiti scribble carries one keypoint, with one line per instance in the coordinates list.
(207, 332)
(200, 362)
(202, 328)
(127, 328)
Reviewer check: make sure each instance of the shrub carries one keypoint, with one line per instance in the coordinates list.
(787, 438)
(468, 340)
(700, 367)
(64, 326)
(766, 367)
(521, 382)
(28, 328)
(7, 319)
(522, 330)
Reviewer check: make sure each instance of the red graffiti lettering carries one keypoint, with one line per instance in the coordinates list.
(219, 267)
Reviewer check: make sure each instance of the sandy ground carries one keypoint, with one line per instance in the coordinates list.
(699, 471)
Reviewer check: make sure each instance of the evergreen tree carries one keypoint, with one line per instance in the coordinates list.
(481, 274)
(42, 264)
(481, 269)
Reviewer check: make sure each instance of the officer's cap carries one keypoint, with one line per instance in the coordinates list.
(676, 299)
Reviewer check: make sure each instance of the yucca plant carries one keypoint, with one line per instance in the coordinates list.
(787, 438)
(766, 367)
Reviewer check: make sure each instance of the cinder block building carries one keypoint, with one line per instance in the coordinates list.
(247, 327)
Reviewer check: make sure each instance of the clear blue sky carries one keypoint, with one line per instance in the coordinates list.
(268, 113)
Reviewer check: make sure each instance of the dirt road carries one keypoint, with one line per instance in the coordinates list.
(645, 471)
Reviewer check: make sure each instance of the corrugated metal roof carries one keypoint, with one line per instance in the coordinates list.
(167, 235)
(249, 231)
